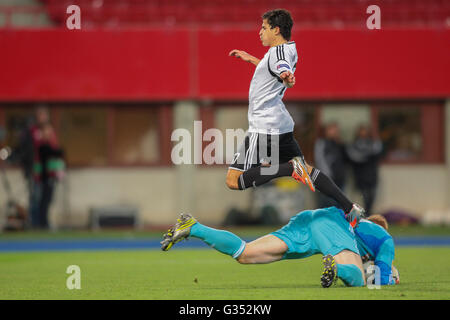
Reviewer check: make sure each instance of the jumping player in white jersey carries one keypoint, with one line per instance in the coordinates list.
(270, 140)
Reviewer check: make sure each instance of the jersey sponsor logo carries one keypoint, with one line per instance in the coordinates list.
(283, 65)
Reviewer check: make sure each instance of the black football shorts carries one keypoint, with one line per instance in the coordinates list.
(258, 149)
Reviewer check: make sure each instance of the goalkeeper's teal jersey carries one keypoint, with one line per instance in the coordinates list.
(322, 231)
(376, 244)
(326, 231)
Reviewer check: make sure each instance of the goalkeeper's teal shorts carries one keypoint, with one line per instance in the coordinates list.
(310, 232)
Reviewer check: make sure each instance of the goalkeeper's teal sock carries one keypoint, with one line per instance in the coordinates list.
(221, 240)
(350, 274)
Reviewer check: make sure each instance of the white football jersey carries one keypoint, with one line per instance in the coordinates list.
(266, 111)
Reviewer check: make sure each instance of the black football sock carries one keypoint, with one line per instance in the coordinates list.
(254, 177)
(330, 189)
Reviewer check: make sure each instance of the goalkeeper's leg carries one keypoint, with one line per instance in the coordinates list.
(263, 250)
(344, 267)
(350, 269)
(266, 249)
(223, 241)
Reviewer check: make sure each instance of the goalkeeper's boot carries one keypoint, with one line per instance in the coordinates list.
(300, 172)
(355, 215)
(178, 232)
(329, 274)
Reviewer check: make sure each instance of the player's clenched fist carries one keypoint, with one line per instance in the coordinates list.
(288, 78)
(240, 54)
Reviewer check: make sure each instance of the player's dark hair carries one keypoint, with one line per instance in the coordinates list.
(280, 18)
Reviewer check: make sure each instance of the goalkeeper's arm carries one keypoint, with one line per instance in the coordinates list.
(384, 260)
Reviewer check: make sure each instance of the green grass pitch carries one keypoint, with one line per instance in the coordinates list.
(206, 274)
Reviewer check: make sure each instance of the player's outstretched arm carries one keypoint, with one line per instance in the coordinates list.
(244, 56)
(288, 79)
(384, 261)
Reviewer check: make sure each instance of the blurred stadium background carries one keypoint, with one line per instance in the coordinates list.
(138, 69)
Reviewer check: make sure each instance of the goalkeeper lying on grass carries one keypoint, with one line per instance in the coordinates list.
(310, 232)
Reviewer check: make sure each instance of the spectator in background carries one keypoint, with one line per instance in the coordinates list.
(330, 158)
(41, 159)
(2, 137)
(364, 155)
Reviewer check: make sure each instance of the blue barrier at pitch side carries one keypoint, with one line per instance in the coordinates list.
(146, 244)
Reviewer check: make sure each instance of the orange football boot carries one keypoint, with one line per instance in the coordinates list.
(300, 172)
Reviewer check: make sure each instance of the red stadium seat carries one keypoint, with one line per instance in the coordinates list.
(331, 13)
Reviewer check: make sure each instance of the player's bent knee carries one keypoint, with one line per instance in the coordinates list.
(247, 256)
(243, 258)
(231, 184)
(232, 179)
